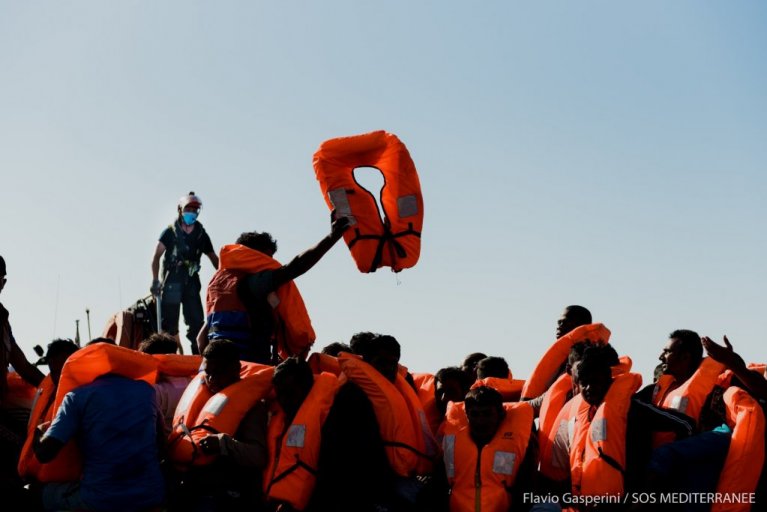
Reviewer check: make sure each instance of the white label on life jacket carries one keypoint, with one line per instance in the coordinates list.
(599, 430)
(407, 206)
(341, 204)
(448, 449)
(503, 463)
(216, 404)
(295, 436)
(188, 396)
(679, 403)
(570, 430)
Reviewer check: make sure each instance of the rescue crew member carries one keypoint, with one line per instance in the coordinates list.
(182, 244)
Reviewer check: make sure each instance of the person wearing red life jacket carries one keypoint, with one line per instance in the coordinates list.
(490, 460)
(253, 301)
(610, 443)
(302, 403)
(11, 431)
(231, 480)
(370, 457)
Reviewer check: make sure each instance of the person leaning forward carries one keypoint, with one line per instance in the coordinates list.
(253, 301)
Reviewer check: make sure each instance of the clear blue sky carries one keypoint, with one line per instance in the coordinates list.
(598, 153)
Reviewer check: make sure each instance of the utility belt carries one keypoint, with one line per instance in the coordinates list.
(181, 267)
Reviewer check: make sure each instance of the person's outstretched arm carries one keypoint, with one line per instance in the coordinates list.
(307, 259)
(756, 384)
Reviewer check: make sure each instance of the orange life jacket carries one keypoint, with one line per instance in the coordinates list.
(598, 452)
(200, 413)
(395, 242)
(319, 363)
(410, 445)
(480, 480)
(228, 318)
(549, 423)
(509, 388)
(19, 393)
(424, 383)
(295, 448)
(81, 368)
(745, 457)
(548, 368)
(552, 421)
(689, 397)
(42, 411)
(178, 365)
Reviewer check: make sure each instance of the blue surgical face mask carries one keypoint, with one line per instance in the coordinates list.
(189, 217)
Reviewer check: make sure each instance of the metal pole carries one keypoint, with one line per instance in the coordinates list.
(88, 314)
(77, 332)
(158, 305)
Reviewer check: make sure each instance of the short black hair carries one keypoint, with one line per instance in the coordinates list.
(335, 348)
(492, 367)
(296, 368)
(360, 342)
(388, 343)
(60, 346)
(597, 359)
(159, 343)
(689, 342)
(483, 396)
(579, 314)
(108, 341)
(261, 242)
(455, 373)
(222, 350)
(576, 352)
(472, 359)
(2, 266)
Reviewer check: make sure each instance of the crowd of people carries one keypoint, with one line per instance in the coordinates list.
(254, 419)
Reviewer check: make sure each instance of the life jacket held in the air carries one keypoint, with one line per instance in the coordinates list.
(391, 238)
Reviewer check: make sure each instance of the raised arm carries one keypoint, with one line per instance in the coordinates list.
(756, 384)
(307, 259)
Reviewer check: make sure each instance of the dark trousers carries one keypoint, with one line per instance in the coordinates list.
(177, 292)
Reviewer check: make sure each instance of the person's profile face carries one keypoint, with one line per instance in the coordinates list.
(219, 375)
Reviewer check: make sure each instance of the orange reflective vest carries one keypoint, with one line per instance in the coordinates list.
(509, 388)
(200, 413)
(42, 411)
(548, 368)
(81, 368)
(598, 450)
(295, 448)
(689, 397)
(226, 314)
(396, 241)
(745, 457)
(480, 479)
(410, 445)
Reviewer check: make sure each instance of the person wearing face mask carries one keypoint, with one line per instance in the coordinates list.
(181, 245)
